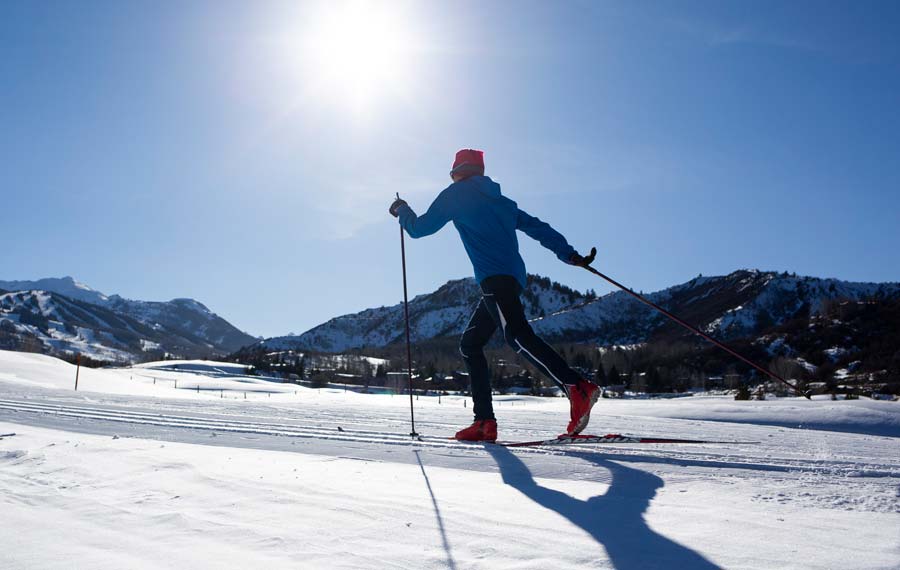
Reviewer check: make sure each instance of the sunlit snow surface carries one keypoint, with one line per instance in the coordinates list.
(128, 474)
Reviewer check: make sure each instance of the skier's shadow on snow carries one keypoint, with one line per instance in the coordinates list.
(615, 519)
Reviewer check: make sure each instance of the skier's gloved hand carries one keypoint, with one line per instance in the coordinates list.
(395, 207)
(580, 261)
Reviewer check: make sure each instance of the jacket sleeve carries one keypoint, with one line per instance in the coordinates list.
(545, 235)
(439, 213)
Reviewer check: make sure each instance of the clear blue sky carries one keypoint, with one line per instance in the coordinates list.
(216, 150)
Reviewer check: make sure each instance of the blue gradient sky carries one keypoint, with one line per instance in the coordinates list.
(177, 149)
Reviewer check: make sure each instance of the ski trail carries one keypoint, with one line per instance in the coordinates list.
(718, 453)
(223, 425)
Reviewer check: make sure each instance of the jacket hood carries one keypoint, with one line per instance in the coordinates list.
(484, 185)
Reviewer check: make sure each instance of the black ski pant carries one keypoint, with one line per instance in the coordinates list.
(500, 306)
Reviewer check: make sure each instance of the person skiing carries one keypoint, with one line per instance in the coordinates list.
(487, 222)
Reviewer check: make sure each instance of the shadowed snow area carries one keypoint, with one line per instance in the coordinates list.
(231, 471)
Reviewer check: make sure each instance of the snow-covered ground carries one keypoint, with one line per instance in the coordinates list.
(125, 473)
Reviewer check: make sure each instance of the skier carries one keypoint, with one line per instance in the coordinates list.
(487, 222)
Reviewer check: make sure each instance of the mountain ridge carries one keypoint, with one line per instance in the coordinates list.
(62, 315)
(729, 306)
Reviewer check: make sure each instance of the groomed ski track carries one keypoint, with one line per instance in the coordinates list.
(382, 434)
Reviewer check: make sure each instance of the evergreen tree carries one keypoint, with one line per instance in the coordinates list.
(320, 379)
(613, 377)
(600, 375)
(654, 383)
(580, 361)
(743, 392)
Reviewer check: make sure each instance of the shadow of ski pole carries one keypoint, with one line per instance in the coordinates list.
(451, 563)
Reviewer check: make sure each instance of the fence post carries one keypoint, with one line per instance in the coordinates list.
(77, 369)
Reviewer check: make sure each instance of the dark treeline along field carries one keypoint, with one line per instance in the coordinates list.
(671, 361)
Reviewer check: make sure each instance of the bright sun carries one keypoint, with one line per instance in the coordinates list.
(357, 52)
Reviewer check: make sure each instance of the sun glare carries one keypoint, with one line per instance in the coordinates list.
(357, 52)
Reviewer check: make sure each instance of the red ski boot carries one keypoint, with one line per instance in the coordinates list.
(582, 397)
(481, 430)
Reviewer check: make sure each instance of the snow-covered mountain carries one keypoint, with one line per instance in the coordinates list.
(63, 315)
(728, 306)
(733, 305)
(444, 312)
(63, 285)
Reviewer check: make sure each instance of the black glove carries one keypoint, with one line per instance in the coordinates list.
(395, 207)
(580, 261)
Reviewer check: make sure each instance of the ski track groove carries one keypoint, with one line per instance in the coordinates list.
(214, 424)
(223, 426)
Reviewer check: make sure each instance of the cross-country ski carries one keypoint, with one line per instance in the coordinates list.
(582, 439)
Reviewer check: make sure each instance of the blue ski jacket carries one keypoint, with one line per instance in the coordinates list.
(487, 222)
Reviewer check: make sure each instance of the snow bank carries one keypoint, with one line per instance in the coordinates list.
(203, 366)
(198, 379)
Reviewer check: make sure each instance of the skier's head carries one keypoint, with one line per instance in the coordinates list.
(469, 162)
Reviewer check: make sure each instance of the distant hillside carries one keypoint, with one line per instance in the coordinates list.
(57, 316)
(442, 313)
(730, 306)
(825, 331)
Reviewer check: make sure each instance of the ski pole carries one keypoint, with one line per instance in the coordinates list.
(412, 417)
(697, 331)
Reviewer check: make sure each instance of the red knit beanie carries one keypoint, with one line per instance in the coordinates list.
(468, 159)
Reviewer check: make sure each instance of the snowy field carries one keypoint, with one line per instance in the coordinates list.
(231, 471)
